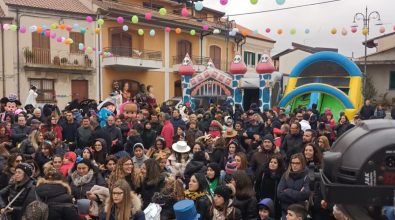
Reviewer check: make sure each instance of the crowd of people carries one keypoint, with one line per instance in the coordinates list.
(232, 164)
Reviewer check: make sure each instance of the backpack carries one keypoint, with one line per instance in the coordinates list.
(36, 210)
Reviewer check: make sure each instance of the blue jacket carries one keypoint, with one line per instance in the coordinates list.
(294, 189)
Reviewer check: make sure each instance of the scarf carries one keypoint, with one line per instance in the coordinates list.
(213, 185)
(219, 214)
(194, 195)
(81, 180)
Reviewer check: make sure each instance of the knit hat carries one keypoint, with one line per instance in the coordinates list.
(223, 191)
(216, 168)
(138, 145)
(27, 169)
(268, 137)
(231, 167)
(268, 203)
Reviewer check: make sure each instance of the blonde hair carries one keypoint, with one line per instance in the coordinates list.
(124, 209)
(325, 141)
(118, 173)
(33, 137)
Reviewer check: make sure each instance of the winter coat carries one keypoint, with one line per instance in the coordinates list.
(115, 134)
(69, 131)
(168, 133)
(100, 133)
(80, 185)
(177, 122)
(41, 159)
(18, 134)
(341, 128)
(137, 213)
(366, 112)
(131, 141)
(149, 188)
(380, 113)
(292, 144)
(204, 124)
(232, 213)
(260, 158)
(83, 137)
(191, 136)
(57, 194)
(247, 206)
(25, 198)
(290, 191)
(203, 205)
(192, 168)
(218, 156)
(26, 149)
(148, 137)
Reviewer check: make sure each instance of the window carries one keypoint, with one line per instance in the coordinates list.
(392, 80)
(41, 49)
(46, 89)
(259, 57)
(77, 38)
(249, 59)
(215, 55)
(183, 47)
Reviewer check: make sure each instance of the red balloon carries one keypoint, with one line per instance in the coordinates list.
(268, 30)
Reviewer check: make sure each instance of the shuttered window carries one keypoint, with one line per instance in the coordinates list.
(392, 80)
(215, 55)
(249, 59)
(45, 89)
(77, 38)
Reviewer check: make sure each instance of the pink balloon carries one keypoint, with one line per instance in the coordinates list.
(59, 39)
(89, 19)
(148, 16)
(167, 29)
(22, 30)
(47, 33)
(120, 20)
(53, 35)
(393, 28)
(184, 12)
(69, 28)
(354, 29)
(94, 49)
(267, 30)
(223, 2)
(205, 27)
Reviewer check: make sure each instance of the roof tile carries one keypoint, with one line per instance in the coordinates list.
(74, 6)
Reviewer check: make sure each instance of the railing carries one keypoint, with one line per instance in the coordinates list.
(56, 57)
(134, 53)
(197, 60)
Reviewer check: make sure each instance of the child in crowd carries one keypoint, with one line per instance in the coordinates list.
(68, 162)
(266, 209)
(139, 156)
(296, 212)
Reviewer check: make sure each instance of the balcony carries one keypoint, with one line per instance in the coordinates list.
(124, 58)
(57, 60)
(199, 63)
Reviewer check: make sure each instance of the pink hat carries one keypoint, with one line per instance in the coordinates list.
(230, 167)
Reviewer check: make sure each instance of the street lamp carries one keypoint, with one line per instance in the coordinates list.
(366, 17)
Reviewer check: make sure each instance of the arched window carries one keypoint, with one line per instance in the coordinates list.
(183, 47)
(215, 55)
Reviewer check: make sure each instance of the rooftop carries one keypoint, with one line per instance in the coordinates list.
(305, 48)
(251, 34)
(371, 42)
(74, 6)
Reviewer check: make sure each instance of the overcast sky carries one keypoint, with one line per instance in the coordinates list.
(319, 19)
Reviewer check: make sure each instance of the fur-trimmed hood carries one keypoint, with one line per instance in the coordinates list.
(136, 203)
(42, 181)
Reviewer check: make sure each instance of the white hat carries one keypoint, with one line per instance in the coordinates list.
(181, 147)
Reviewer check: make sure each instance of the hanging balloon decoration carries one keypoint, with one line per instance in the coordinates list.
(192, 32)
(125, 28)
(100, 21)
(89, 50)
(54, 26)
(80, 46)
(223, 2)
(6, 27)
(365, 31)
(292, 31)
(354, 29)
(59, 39)
(76, 26)
(152, 32)
(62, 26)
(135, 19)
(178, 30)
(97, 30)
(268, 30)
(120, 20)
(53, 35)
(39, 29)
(167, 29)
(32, 28)
(69, 28)
(83, 30)
(140, 32)
(344, 32)
(148, 16)
(184, 12)
(216, 31)
(205, 27)
(22, 29)
(280, 2)
(254, 2)
(89, 19)
(382, 29)
(393, 28)
(280, 31)
(163, 11)
(307, 31)
(333, 31)
(47, 33)
(198, 6)
(13, 27)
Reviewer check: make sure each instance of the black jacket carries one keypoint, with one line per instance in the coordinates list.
(194, 167)
(290, 191)
(57, 195)
(19, 133)
(69, 131)
(366, 112)
(148, 190)
(26, 148)
(79, 192)
(24, 199)
(203, 205)
(248, 207)
(292, 144)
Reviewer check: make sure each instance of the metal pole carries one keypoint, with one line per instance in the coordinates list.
(366, 25)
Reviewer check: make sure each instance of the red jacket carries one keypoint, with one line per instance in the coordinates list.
(168, 133)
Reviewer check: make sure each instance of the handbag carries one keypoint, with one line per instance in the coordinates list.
(152, 212)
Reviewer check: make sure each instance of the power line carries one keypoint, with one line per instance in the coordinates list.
(281, 9)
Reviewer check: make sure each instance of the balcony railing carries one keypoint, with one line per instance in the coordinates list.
(197, 60)
(134, 53)
(56, 58)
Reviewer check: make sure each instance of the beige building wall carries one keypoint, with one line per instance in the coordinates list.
(289, 60)
(385, 43)
(380, 76)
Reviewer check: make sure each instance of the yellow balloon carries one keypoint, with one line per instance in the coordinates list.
(365, 31)
(333, 31)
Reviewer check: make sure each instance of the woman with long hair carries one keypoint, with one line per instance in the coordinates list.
(158, 148)
(52, 126)
(109, 166)
(124, 170)
(123, 203)
(313, 156)
(99, 152)
(44, 154)
(5, 137)
(152, 180)
(198, 192)
(245, 196)
(343, 125)
(223, 207)
(32, 144)
(294, 184)
(148, 135)
(9, 168)
(323, 143)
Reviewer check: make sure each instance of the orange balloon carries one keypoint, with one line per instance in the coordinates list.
(62, 27)
(244, 33)
(178, 30)
(280, 31)
(39, 29)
